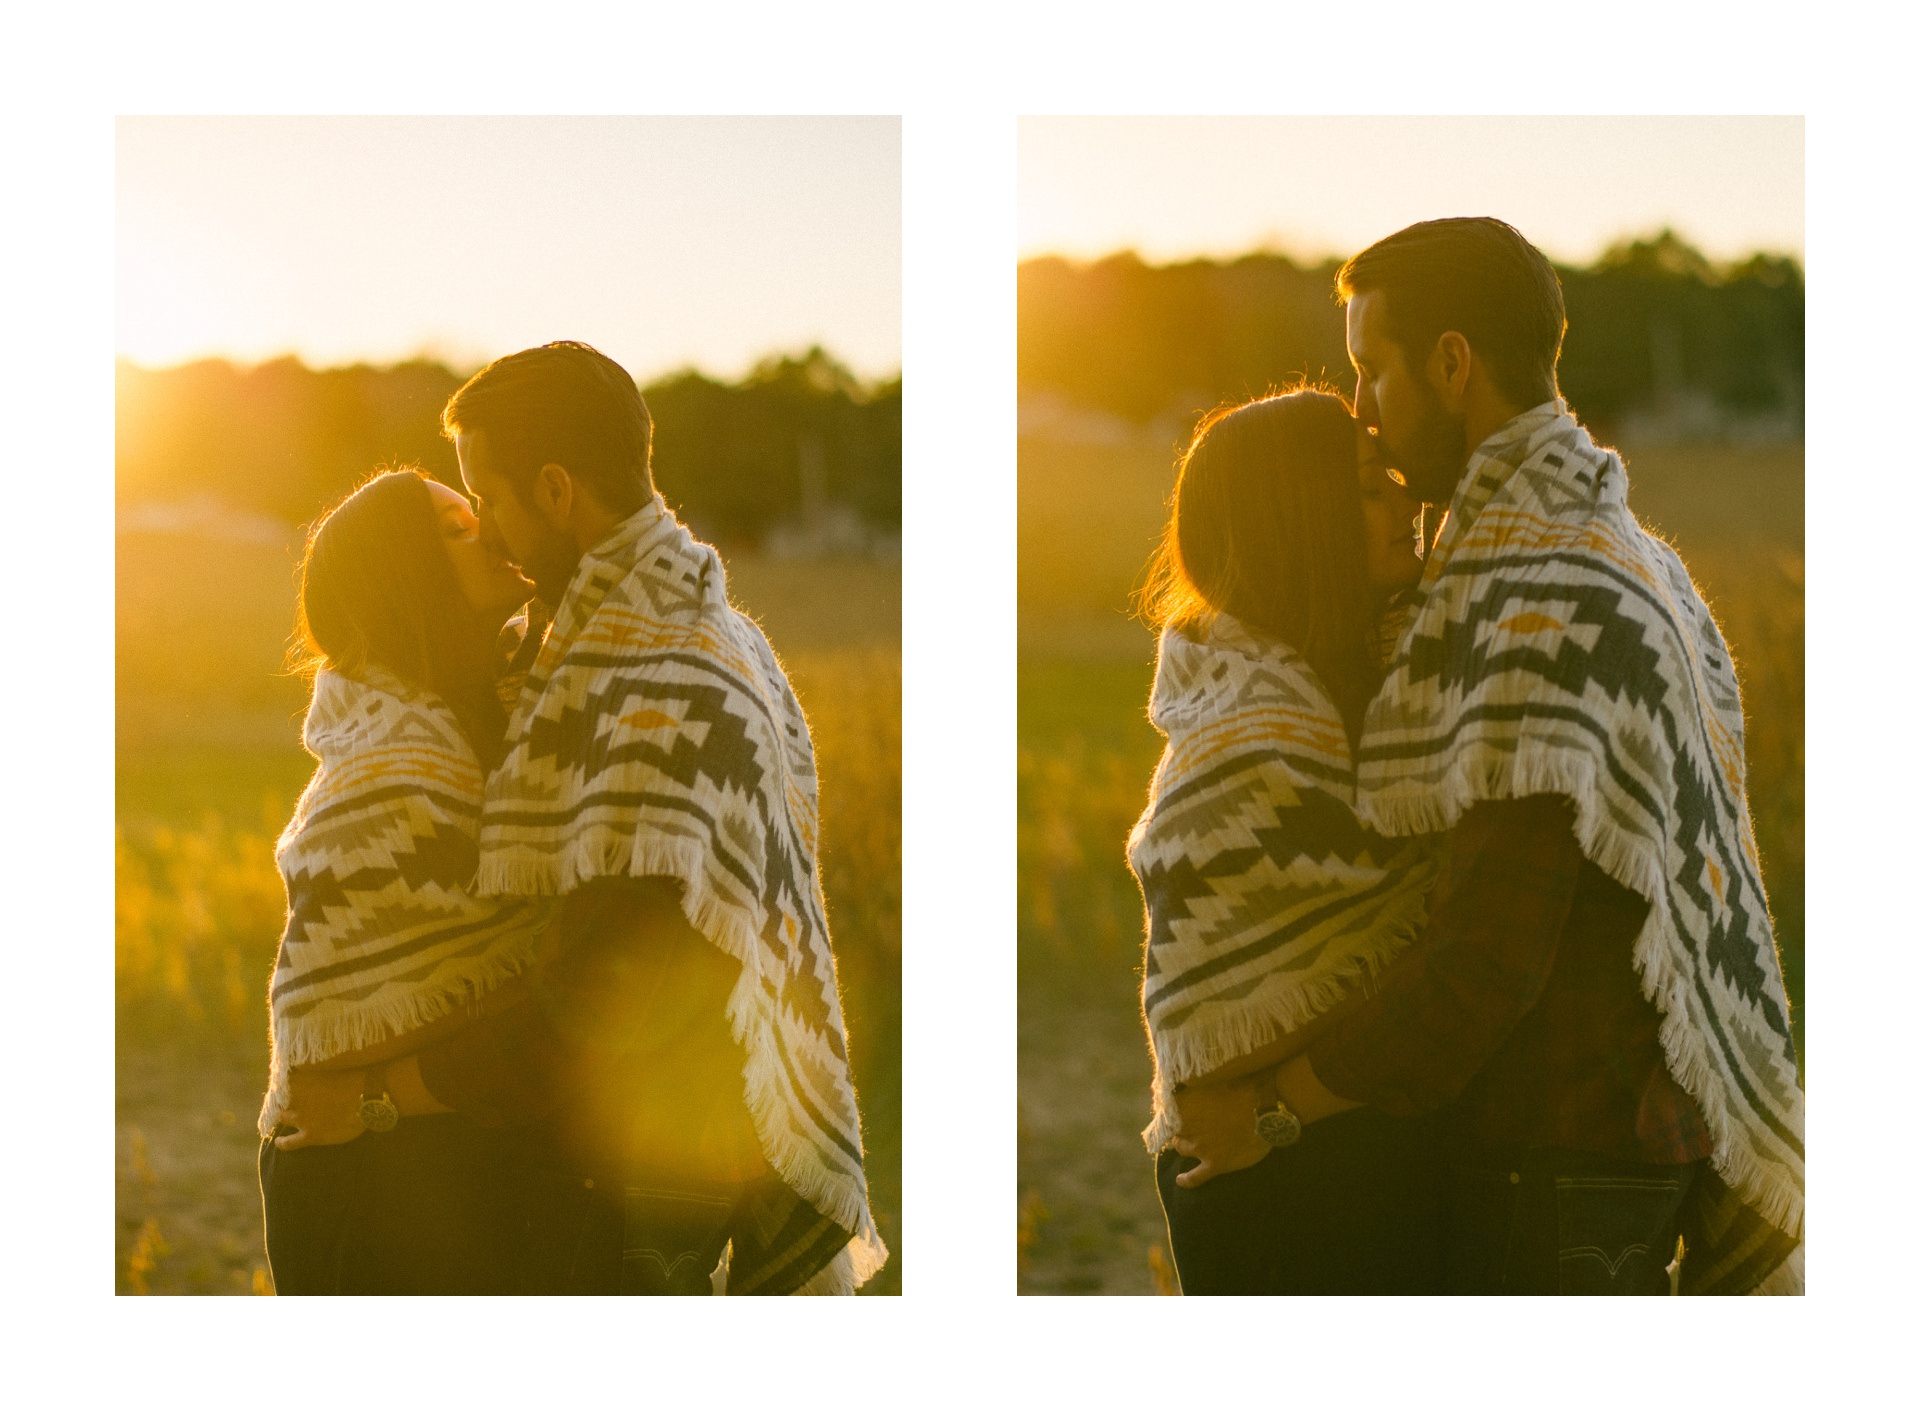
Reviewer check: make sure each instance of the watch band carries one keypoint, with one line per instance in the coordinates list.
(1266, 1089)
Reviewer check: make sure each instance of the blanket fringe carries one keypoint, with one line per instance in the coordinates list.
(319, 1037)
(1774, 1197)
(1182, 1056)
(732, 931)
(651, 584)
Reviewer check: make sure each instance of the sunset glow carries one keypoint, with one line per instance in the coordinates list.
(665, 241)
(1174, 188)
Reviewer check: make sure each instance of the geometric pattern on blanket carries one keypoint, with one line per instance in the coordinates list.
(657, 736)
(383, 934)
(1555, 646)
(1266, 900)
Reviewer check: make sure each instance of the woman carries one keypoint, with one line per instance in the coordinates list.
(402, 609)
(1267, 902)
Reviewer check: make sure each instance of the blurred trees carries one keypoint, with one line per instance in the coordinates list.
(795, 433)
(1652, 324)
(286, 440)
(1655, 330)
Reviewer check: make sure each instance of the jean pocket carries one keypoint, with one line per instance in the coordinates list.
(673, 1240)
(1616, 1233)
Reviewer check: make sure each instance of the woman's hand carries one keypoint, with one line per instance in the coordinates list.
(323, 1108)
(1214, 1122)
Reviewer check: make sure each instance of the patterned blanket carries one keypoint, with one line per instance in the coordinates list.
(657, 736)
(1557, 647)
(382, 935)
(1266, 900)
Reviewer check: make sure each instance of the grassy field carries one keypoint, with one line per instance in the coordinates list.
(1088, 1218)
(208, 765)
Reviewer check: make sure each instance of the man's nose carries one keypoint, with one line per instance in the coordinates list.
(1364, 407)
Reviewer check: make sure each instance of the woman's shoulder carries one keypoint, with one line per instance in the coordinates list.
(1221, 664)
(374, 709)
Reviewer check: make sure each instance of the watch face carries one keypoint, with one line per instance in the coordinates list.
(1278, 1127)
(378, 1114)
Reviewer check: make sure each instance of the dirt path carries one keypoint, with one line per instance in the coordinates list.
(1089, 1219)
(186, 1196)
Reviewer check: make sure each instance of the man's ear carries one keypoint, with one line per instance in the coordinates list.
(1448, 368)
(552, 494)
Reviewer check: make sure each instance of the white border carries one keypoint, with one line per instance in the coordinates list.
(959, 76)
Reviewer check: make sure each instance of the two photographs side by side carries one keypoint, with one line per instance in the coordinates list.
(508, 706)
(1411, 760)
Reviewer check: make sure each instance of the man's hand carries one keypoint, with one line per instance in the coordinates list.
(1214, 1122)
(323, 1108)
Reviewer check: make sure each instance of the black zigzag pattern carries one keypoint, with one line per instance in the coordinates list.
(1315, 826)
(1626, 667)
(1622, 662)
(573, 741)
(1624, 680)
(698, 755)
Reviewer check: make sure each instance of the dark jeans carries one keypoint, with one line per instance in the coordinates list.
(1549, 1221)
(430, 1207)
(1352, 1208)
(643, 1236)
(441, 1205)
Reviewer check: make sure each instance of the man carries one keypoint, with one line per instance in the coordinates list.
(1595, 1008)
(680, 1067)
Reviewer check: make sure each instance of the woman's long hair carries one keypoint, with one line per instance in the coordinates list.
(1267, 527)
(377, 587)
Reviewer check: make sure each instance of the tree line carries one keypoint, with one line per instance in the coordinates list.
(285, 440)
(1653, 325)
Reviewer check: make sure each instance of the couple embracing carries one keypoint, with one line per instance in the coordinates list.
(1459, 971)
(555, 1009)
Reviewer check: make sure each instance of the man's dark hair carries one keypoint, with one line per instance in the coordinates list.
(1477, 277)
(567, 404)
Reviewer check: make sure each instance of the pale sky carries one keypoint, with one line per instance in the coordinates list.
(1172, 188)
(665, 242)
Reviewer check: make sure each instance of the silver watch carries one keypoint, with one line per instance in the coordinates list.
(1276, 1125)
(377, 1110)
(1273, 1121)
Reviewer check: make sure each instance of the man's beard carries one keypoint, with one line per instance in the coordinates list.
(550, 565)
(1430, 454)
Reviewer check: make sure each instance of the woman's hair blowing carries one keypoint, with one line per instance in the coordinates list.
(1267, 527)
(377, 587)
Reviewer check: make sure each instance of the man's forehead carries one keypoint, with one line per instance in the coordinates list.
(1363, 317)
(467, 448)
